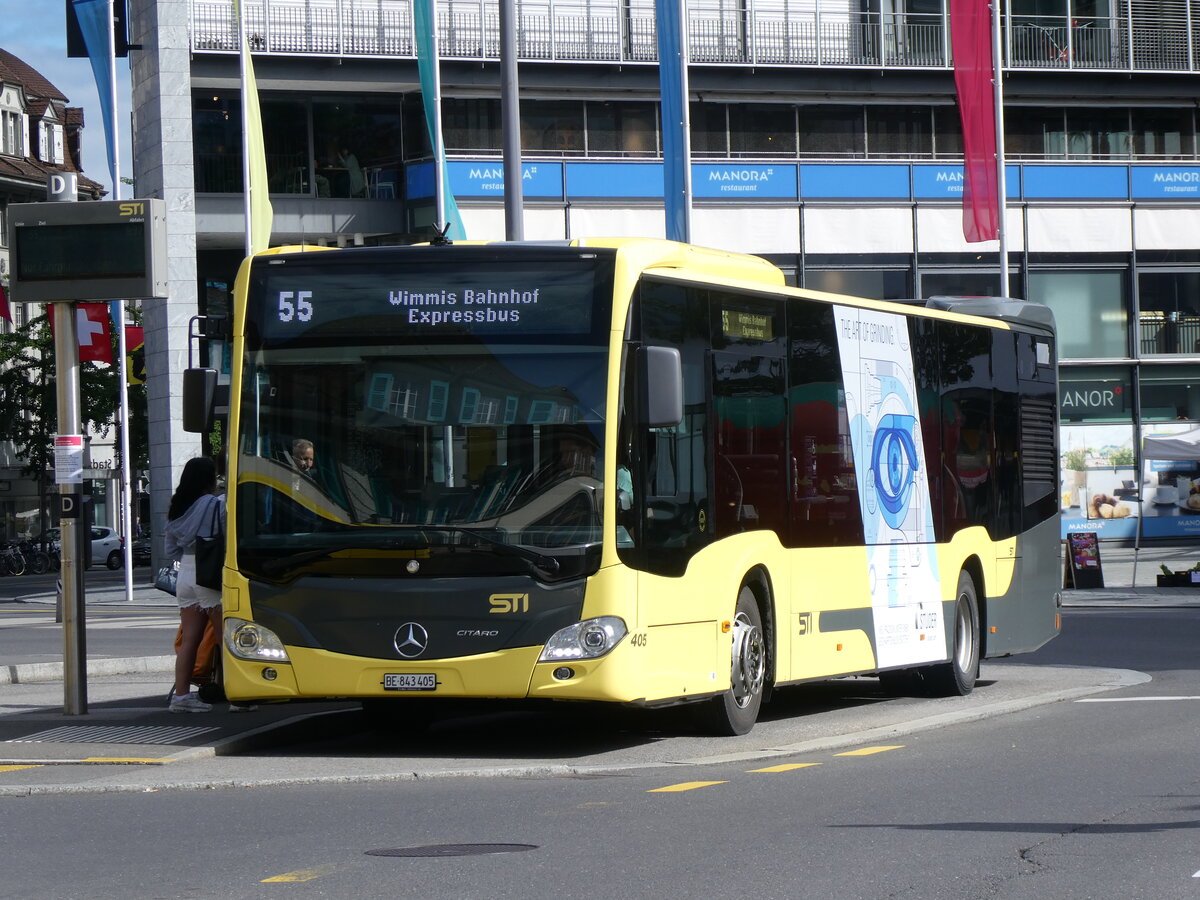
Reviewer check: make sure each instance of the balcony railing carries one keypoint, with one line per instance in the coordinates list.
(751, 32)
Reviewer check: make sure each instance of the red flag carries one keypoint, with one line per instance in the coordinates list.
(971, 43)
(5, 312)
(93, 331)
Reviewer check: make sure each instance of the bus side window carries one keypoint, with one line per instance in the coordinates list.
(967, 429)
(823, 486)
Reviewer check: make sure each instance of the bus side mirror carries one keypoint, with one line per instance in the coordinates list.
(664, 387)
(199, 391)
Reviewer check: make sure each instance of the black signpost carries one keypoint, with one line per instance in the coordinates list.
(1082, 568)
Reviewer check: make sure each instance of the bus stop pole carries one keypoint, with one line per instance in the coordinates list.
(66, 356)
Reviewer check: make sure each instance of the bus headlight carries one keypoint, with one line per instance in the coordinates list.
(249, 640)
(584, 640)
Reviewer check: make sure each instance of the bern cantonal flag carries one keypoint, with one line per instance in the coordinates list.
(94, 332)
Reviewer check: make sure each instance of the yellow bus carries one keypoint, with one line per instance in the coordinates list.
(629, 471)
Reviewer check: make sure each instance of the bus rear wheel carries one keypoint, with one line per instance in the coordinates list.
(736, 710)
(957, 677)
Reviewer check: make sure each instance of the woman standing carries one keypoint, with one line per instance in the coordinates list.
(191, 515)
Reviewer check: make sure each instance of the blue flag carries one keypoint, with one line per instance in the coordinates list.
(96, 26)
(672, 78)
(431, 97)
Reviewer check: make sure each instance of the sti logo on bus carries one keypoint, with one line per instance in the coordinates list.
(134, 208)
(508, 603)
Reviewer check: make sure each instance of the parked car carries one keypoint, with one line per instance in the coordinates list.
(107, 545)
(141, 551)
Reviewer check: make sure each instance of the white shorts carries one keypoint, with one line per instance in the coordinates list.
(187, 592)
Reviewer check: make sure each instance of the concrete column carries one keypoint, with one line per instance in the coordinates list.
(162, 167)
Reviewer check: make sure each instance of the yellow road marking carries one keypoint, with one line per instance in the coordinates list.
(785, 767)
(16, 768)
(868, 751)
(300, 875)
(684, 786)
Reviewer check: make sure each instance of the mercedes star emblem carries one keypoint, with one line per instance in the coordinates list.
(411, 640)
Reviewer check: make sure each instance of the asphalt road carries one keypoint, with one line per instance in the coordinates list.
(1089, 797)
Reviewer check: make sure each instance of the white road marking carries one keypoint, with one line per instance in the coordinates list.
(1133, 699)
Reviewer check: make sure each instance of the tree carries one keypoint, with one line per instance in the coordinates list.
(29, 408)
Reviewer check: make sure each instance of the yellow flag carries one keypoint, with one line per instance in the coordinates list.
(258, 205)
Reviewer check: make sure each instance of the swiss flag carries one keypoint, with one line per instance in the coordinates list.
(4, 310)
(94, 333)
(95, 336)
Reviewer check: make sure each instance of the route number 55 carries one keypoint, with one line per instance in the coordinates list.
(295, 305)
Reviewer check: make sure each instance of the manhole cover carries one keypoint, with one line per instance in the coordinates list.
(454, 850)
(113, 734)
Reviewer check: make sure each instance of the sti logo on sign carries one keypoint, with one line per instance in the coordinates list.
(1092, 397)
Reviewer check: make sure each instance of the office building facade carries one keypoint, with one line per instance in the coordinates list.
(825, 136)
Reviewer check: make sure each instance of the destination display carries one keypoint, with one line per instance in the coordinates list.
(559, 297)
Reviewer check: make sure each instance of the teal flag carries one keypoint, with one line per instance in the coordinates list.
(96, 27)
(424, 23)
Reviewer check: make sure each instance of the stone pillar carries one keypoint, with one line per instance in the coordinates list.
(162, 167)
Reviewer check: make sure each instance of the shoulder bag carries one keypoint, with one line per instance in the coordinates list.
(210, 551)
(167, 576)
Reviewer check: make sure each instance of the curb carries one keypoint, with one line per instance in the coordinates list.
(36, 673)
(406, 771)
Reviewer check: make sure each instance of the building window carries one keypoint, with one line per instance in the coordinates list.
(832, 131)
(762, 129)
(879, 284)
(1169, 312)
(709, 129)
(628, 129)
(1163, 134)
(1170, 394)
(359, 144)
(1035, 133)
(472, 126)
(1090, 309)
(552, 126)
(1098, 133)
(899, 131)
(217, 143)
(12, 131)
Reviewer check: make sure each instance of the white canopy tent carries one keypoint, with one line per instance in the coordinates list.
(1173, 446)
(1183, 446)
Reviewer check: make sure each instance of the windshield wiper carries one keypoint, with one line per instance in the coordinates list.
(542, 561)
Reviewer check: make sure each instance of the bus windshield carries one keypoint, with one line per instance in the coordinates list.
(397, 415)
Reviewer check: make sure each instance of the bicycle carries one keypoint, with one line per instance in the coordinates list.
(11, 560)
(37, 561)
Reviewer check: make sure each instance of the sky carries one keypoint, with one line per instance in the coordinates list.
(36, 31)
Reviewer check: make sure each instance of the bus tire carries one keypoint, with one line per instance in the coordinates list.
(957, 677)
(736, 710)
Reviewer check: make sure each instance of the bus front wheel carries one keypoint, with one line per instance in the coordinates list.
(736, 710)
(957, 677)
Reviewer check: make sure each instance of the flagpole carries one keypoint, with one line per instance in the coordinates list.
(118, 307)
(1001, 187)
(439, 145)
